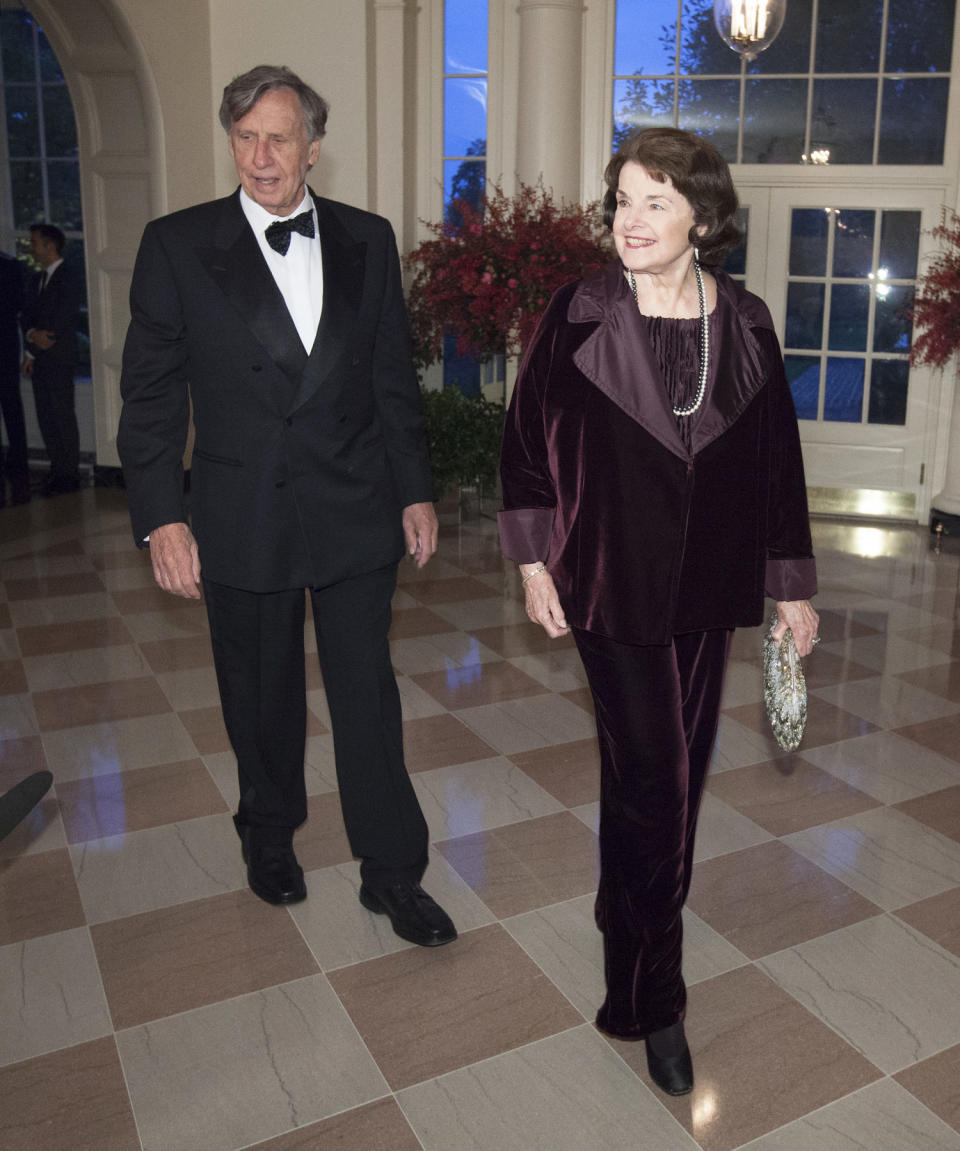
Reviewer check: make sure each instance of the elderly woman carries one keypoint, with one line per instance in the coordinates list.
(653, 493)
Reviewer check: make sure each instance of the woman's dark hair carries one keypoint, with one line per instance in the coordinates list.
(698, 172)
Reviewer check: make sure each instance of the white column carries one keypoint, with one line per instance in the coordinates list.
(388, 142)
(549, 95)
(949, 499)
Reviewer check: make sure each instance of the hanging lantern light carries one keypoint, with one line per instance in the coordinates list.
(749, 26)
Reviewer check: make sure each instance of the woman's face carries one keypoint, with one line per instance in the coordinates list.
(651, 226)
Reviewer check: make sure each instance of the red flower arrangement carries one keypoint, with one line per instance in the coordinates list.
(489, 276)
(936, 308)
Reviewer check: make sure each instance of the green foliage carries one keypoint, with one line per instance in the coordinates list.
(463, 436)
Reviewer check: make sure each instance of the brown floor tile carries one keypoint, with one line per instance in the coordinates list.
(825, 723)
(940, 638)
(77, 635)
(13, 679)
(837, 625)
(936, 1083)
(943, 680)
(38, 896)
(112, 561)
(582, 697)
(178, 958)
(520, 639)
(20, 758)
(379, 1126)
(99, 703)
(570, 772)
(5, 620)
(769, 897)
(939, 735)
(45, 587)
(788, 794)
(206, 728)
(410, 622)
(826, 669)
(454, 590)
(489, 683)
(426, 1011)
(441, 741)
(178, 654)
(153, 598)
(938, 809)
(70, 1100)
(526, 865)
(315, 726)
(321, 841)
(937, 917)
(760, 1060)
(103, 805)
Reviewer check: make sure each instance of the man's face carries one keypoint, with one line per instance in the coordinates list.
(272, 153)
(44, 251)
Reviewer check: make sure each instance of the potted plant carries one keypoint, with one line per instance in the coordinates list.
(936, 307)
(463, 437)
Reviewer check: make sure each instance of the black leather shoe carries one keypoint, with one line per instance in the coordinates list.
(415, 916)
(674, 1073)
(272, 870)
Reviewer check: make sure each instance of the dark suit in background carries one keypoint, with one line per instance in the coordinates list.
(11, 405)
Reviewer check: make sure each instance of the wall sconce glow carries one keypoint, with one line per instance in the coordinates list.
(882, 289)
(749, 26)
(817, 156)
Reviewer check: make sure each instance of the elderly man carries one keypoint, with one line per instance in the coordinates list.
(281, 314)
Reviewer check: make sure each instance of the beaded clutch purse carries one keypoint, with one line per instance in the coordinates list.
(784, 689)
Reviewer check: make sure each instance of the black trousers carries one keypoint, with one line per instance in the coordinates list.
(53, 395)
(657, 711)
(11, 407)
(259, 657)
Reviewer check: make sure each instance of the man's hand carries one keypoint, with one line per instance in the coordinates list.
(41, 338)
(420, 530)
(26, 368)
(176, 564)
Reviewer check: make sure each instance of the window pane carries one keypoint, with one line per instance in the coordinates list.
(803, 375)
(16, 37)
(702, 51)
(639, 103)
(899, 239)
(849, 309)
(711, 108)
(461, 372)
(27, 186)
(804, 315)
(913, 121)
(790, 52)
(646, 37)
(808, 242)
(853, 243)
(736, 262)
(775, 120)
(49, 64)
(888, 392)
(842, 122)
(23, 127)
(59, 127)
(892, 329)
(63, 183)
(464, 180)
(464, 115)
(848, 36)
(465, 36)
(843, 391)
(919, 35)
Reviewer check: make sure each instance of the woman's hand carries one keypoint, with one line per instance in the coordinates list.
(542, 602)
(802, 620)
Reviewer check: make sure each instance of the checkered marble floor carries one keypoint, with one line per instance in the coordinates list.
(148, 1000)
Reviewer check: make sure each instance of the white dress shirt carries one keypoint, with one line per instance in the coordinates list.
(298, 274)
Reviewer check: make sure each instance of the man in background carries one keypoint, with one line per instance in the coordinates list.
(11, 405)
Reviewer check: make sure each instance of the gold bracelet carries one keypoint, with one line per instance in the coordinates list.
(536, 571)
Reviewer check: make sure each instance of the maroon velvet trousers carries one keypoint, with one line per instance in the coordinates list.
(657, 710)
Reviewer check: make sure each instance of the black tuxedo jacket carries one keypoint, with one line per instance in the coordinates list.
(56, 309)
(301, 464)
(11, 301)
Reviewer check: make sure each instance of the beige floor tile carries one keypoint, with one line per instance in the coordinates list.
(18, 718)
(522, 639)
(478, 685)
(417, 621)
(854, 981)
(132, 601)
(937, 917)
(885, 855)
(887, 701)
(768, 897)
(721, 829)
(183, 957)
(38, 566)
(53, 586)
(566, 1093)
(440, 741)
(99, 703)
(206, 729)
(943, 680)
(886, 766)
(890, 654)
(825, 723)
(742, 684)
(477, 614)
(35, 613)
(706, 953)
(450, 651)
(524, 724)
(38, 896)
(379, 1126)
(737, 745)
(321, 841)
(183, 653)
(147, 870)
(936, 1082)
(50, 995)
(13, 677)
(470, 797)
(558, 671)
(455, 589)
(319, 765)
(939, 735)
(760, 1061)
(70, 1100)
(93, 665)
(881, 1117)
(190, 688)
(788, 794)
(589, 815)
(415, 701)
(175, 622)
(122, 745)
(227, 1075)
(939, 810)
(426, 1011)
(9, 648)
(828, 668)
(568, 771)
(20, 758)
(526, 865)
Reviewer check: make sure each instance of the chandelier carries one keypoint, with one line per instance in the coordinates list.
(749, 26)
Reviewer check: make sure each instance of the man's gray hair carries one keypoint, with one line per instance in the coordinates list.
(244, 91)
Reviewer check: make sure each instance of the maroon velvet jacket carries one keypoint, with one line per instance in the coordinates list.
(644, 540)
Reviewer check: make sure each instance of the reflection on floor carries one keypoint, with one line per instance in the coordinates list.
(148, 1000)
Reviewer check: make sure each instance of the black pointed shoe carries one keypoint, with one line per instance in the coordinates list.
(672, 1073)
(273, 872)
(414, 915)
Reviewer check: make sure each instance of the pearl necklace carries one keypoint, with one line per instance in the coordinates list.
(704, 341)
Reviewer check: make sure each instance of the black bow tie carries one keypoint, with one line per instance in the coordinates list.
(278, 234)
